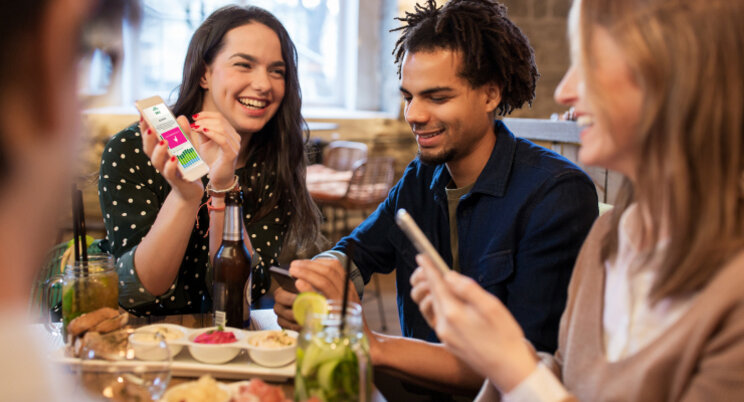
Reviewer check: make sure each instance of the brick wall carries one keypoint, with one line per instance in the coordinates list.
(544, 23)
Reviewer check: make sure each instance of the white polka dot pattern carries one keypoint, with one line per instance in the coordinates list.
(131, 192)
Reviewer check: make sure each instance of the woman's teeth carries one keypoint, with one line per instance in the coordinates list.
(585, 121)
(252, 103)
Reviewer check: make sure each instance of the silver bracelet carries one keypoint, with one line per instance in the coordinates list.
(212, 192)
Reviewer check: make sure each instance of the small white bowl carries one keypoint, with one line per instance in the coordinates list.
(144, 342)
(213, 353)
(272, 356)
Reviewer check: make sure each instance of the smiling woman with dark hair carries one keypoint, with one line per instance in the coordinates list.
(241, 98)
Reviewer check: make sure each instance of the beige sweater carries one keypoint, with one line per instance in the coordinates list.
(699, 358)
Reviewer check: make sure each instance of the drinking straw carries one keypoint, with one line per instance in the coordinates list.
(75, 240)
(347, 275)
(76, 245)
(83, 234)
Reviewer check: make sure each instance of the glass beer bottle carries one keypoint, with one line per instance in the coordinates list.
(232, 269)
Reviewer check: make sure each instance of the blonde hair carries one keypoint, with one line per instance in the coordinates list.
(687, 56)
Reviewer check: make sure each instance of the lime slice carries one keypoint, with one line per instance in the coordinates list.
(319, 352)
(326, 374)
(88, 242)
(308, 302)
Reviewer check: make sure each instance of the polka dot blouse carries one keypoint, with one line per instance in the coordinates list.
(131, 193)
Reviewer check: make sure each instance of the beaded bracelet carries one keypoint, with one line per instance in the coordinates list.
(221, 193)
(210, 208)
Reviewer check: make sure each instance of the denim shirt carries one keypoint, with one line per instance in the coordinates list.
(519, 228)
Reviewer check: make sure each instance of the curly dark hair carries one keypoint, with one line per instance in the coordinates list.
(493, 49)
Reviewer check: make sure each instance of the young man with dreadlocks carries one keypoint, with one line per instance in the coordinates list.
(505, 212)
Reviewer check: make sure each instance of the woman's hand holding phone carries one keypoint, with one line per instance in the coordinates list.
(218, 144)
(473, 324)
(157, 150)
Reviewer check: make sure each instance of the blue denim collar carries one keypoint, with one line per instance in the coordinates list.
(495, 175)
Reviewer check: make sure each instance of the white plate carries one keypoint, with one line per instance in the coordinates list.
(239, 368)
(184, 365)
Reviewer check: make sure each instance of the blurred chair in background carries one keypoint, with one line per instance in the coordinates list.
(344, 155)
(348, 180)
(367, 186)
(330, 180)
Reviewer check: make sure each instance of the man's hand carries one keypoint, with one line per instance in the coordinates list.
(324, 275)
(283, 300)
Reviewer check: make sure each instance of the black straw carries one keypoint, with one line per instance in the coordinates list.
(83, 233)
(347, 275)
(75, 226)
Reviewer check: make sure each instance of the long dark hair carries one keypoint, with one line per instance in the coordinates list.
(280, 145)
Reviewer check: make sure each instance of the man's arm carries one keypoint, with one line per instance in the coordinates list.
(422, 363)
(371, 250)
(556, 227)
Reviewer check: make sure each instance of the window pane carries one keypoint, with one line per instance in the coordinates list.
(314, 26)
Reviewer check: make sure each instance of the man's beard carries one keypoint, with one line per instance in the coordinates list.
(437, 159)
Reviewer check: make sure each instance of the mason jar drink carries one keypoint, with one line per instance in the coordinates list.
(333, 365)
(87, 286)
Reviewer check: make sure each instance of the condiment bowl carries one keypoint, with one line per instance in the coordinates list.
(271, 356)
(144, 341)
(216, 353)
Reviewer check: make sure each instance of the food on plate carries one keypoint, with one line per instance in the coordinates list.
(88, 328)
(107, 346)
(272, 339)
(151, 335)
(89, 320)
(147, 341)
(208, 390)
(258, 391)
(216, 336)
(112, 324)
(205, 389)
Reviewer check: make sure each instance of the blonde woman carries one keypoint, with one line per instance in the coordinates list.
(655, 309)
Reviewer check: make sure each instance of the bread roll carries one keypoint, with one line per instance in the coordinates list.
(89, 320)
(112, 323)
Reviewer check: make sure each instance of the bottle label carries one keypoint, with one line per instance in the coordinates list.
(220, 318)
(219, 303)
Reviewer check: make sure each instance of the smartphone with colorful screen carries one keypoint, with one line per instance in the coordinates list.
(159, 117)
